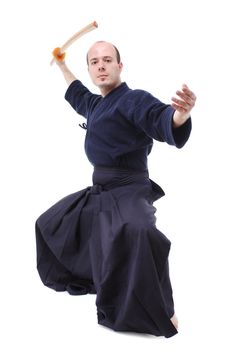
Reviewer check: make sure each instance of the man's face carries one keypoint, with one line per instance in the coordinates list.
(103, 67)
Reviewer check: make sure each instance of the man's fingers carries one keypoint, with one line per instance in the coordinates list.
(188, 98)
(180, 108)
(188, 92)
(181, 103)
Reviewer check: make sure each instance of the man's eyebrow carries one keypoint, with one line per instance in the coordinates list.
(95, 58)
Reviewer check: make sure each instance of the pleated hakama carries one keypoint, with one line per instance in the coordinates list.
(104, 240)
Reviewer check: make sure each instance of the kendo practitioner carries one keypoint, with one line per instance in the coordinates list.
(103, 239)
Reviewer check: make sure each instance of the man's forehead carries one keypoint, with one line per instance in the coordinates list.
(101, 49)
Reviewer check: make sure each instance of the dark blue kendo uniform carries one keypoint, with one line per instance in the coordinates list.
(104, 239)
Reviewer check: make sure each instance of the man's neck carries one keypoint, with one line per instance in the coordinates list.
(105, 90)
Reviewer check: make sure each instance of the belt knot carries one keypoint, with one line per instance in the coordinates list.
(96, 189)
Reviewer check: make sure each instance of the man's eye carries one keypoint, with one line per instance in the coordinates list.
(93, 63)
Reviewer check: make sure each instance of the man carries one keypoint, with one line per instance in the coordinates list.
(104, 239)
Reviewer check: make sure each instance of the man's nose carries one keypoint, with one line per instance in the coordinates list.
(101, 67)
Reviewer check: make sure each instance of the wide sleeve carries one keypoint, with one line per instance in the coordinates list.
(80, 98)
(155, 118)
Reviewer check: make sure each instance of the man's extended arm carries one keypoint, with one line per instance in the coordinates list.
(60, 61)
(68, 75)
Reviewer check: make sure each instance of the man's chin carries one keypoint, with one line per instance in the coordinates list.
(102, 84)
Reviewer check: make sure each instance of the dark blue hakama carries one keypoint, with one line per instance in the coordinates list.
(104, 240)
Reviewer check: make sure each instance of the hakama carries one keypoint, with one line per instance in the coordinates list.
(104, 240)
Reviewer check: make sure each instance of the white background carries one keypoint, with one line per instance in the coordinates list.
(163, 44)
